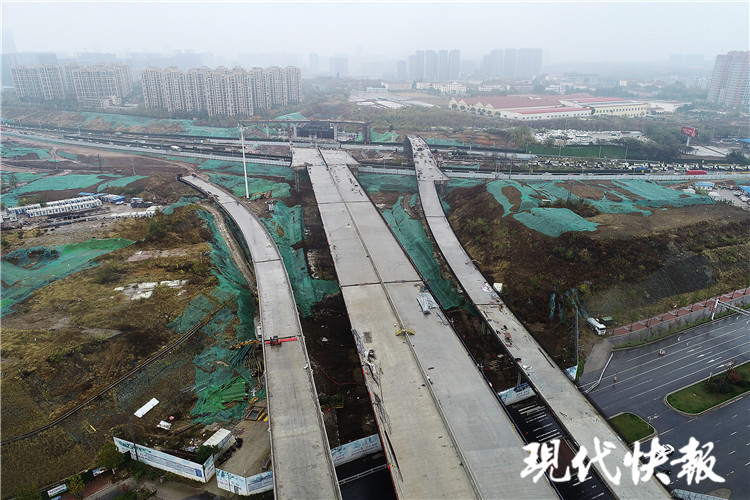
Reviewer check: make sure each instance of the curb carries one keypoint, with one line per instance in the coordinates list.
(715, 407)
(687, 330)
(643, 439)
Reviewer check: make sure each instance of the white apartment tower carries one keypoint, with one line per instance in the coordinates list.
(221, 91)
(38, 82)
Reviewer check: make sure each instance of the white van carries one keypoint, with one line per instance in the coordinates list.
(596, 327)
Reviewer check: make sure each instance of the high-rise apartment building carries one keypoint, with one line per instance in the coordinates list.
(38, 82)
(401, 71)
(528, 63)
(221, 91)
(432, 66)
(509, 63)
(730, 81)
(454, 64)
(98, 81)
(88, 84)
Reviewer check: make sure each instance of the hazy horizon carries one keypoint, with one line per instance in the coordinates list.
(607, 32)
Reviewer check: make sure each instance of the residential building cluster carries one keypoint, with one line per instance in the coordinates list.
(98, 85)
(512, 63)
(432, 66)
(221, 91)
(730, 80)
(546, 107)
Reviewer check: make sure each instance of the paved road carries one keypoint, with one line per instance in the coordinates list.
(581, 421)
(302, 463)
(644, 379)
(428, 393)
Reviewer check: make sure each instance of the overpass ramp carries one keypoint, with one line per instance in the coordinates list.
(301, 457)
(443, 430)
(577, 416)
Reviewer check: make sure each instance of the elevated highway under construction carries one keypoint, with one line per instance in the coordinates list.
(574, 412)
(444, 432)
(300, 454)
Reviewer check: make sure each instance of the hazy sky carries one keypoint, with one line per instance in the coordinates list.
(567, 31)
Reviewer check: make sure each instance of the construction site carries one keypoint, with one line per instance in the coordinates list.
(102, 314)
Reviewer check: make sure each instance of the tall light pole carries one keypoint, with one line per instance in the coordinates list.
(244, 164)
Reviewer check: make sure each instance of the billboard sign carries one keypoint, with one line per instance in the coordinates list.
(164, 461)
(690, 131)
(56, 490)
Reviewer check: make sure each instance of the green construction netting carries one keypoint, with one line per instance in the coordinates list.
(414, 239)
(54, 183)
(126, 121)
(379, 137)
(235, 168)
(220, 372)
(462, 183)
(554, 221)
(26, 270)
(123, 181)
(442, 142)
(286, 226)
(185, 200)
(14, 151)
(621, 196)
(256, 187)
(143, 124)
(413, 199)
(291, 117)
(375, 183)
(11, 179)
(69, 156)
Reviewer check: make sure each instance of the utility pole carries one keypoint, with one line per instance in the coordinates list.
(132, 165)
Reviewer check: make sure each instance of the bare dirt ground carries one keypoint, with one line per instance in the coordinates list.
(652, 261)
(625, 225)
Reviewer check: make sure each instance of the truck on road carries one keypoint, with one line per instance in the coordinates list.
(596, 326)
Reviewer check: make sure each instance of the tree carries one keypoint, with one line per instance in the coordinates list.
(737, 157)
(522, 136)
(28, 491)
(204, 452)
(76, 485)
(109, 457)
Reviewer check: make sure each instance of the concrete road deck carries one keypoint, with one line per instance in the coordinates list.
(579, 418)
(301, 457)
(443, 430)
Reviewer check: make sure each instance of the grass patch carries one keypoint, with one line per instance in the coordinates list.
(632, 427)
(698, 397)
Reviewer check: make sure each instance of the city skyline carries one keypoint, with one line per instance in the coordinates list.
(625, 32)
